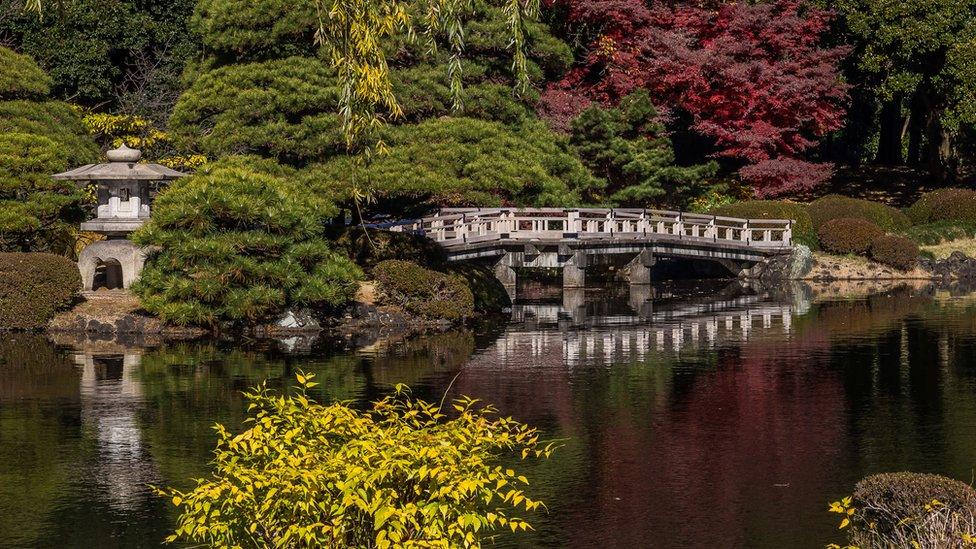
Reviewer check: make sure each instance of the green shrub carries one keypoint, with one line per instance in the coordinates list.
(803, 230)
(399, 474)
(254, 29)
(937, 232)
(835, 206)
(848, 235)
(895, 251)
(20, 77)
(284, 109)
(239, 242)
(54, 120)
(944, 205)
(429, 294)
(908, 510)
(33, 287)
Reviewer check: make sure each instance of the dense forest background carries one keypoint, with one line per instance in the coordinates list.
(633, 102)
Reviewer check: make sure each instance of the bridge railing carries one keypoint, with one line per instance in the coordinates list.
(460, 226)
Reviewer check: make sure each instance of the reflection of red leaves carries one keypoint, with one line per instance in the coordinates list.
(753, 77)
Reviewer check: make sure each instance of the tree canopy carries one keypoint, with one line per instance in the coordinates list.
(754, 78)
(768, 97)
(463, 162)
(917, 56)
(626, 146)
(264, 88)
(125, 54)
(38, 137)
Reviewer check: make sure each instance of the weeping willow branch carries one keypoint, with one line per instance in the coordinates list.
(354, 33)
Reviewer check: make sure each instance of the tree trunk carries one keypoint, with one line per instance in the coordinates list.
(889, 140)
(937, 153)
(915, 137)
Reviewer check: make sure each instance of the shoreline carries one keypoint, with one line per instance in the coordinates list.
(363, 324)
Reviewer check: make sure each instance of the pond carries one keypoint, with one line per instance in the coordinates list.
(704, 415)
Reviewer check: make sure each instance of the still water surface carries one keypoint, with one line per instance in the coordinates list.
(705, 417)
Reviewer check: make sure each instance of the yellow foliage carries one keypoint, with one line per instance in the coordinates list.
(115, 130)
(400, 474)
(184, 162)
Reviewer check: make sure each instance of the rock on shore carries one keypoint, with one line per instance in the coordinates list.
(958, 266)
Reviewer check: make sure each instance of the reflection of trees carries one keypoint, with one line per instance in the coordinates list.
(683, 442)
(419, 363)
(188, 387)
(687, 446)
(861, 318)
(38, 440)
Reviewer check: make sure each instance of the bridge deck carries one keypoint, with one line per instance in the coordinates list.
(473, 232)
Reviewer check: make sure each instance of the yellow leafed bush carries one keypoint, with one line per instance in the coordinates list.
(399, 474)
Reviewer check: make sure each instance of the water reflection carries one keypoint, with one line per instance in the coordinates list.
(693, 416)
(111, 399)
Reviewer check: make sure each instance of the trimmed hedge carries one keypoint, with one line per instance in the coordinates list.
(889, 505)
(33, 287)
(835, 206)
(895, 251)
(428, 294)
(944, 205)
(848, 235)
(803, 230)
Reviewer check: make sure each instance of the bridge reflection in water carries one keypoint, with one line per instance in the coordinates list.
(571, 333)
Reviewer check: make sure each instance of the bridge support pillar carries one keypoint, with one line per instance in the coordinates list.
(639, 268)
(574, 271)
(506, 275)
(574, 303)
(639, 300)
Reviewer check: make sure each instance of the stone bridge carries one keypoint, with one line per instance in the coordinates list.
(574, 239)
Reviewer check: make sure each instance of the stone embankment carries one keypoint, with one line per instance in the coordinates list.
(114, 313)
(803, 264)
(958, 266)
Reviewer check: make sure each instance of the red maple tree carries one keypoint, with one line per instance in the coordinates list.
(754, 78)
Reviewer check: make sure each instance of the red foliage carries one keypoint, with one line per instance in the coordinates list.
(559, 107)
(753, 77)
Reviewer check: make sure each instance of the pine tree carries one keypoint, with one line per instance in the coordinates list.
(626, 146)
(240, 242)
(38, 137)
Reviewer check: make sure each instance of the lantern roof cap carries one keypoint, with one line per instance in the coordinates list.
(123, 165)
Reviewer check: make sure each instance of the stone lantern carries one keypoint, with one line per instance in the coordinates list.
(125, 189)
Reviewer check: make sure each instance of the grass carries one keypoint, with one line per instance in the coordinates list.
(945, 249)
(930, 234)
